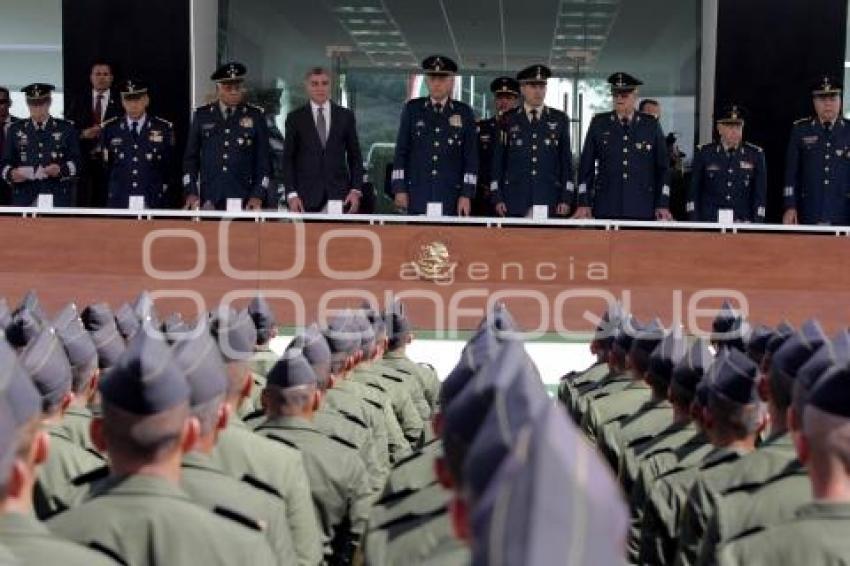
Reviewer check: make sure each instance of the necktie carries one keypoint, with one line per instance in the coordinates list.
(39, 127)
(534, 118)
(228, 112)
(98, 110)
(625, 122)
(322, 125)
(827, 126)
(438, 108)
(135, 129)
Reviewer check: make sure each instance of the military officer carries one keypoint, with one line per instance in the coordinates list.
(227, 155)
(436, 156)
(728, 174)
(817, 166)
(42, 155)
(6, 120)
(23, 448)
(138, 148)
(505, 98)
(146, 426)
(532, 164)
(624, 163)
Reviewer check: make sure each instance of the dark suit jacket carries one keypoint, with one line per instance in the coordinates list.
(320, 174)
(80, 110)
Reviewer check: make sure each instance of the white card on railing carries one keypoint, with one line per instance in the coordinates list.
(334, 207)
(137, 202)
(539, 212)
(234, 205)
(435, 209)
(44, 201)
(725, 216)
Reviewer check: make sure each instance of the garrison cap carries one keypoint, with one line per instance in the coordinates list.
(626, 331)
(689, 371)
(292, 370)
(398, 325)
(233, 72)
(782, 333)
(127, 321)
(146, 380)
(757, 342)
(17, 387)
(144, 308)
(623, 82)
(835, 352)
(731, 114)
(505, 85)
(315, 350)
(831, 394)
(109, 344)
(235, 333)
(797, 350)
(666, 356)
(606, 330)
(98, 316)
(45, 360)
(31, 302)
(342, 335)
(518, 521)
(648, 337)
(481, 349)
(198, 356)
(37, 92)
(535, 74)
(132, 89)
(264, 319)
(64, 317)
(23, 328)
(439, 65)
(734, 376)
(728, 328)
(78, 343)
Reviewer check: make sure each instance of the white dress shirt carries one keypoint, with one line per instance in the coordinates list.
(103, 103)
(326, 110)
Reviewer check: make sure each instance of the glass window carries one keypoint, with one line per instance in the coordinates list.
(31, 49)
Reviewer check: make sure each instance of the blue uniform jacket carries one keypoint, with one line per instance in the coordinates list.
(532, 164)
(623, 172)
(436, 155)
(817, 172)
(735, 180)
(56, 144)
(227, 158)
(138, 166)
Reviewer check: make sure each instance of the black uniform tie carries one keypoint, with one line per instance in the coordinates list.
(438, 108)
(534, 118)
(135, 130)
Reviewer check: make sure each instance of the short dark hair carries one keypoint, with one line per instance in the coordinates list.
(102, 63)
(146, 438)
(318, 70)
(6, 90)
(646, 102)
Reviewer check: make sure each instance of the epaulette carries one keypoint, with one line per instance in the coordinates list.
(409, 458)
(282, 440)
(353, 418)
(256, 414)
(343, 441)
(374, 404)
(101, 548)
(392, 377)
(261, 485)
(91, 477)
(164, 121)
(418, 517)
(725, 459)
(802, 120)
(705, 145)
(754, 146)
(244, 520)
(108, 121)
(258, 108)
(376, 386)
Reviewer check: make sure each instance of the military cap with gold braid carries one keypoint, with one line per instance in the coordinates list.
(232, 72)
(535, 74)
(504, 85)
(826, 85)
(439, 65)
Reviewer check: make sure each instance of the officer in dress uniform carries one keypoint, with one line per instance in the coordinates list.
(624, 164)
(227, 155)
(728, 174)
(6, 120)
(506, 95)
(436, 154)
(817, 166)
(532, 164)
(42, 155)
(138, 148)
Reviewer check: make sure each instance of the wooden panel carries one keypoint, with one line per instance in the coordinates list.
(780, 276)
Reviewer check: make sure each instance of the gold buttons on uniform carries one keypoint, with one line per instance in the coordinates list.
(435, 158)
(434, 172)
(224, 168)
(224, 157)
(227, 144)
(625, 175)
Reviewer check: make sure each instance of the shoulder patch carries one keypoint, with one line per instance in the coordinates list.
(243, 520)
(261, 485)
(92, 476)
(343, 441)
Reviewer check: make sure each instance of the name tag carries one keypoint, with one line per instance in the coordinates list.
(809, 140)
(725, 216)
(747, 165)
(435, 210)
(137, 202)
(539, 212)
(234, 205)
(334, 207)
(44, 201)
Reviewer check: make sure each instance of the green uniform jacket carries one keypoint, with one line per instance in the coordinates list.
(750, 508)
(414, 472)
(65, 461)
(75, 426)
(426, 376)
(207, 485)
(817, 536)
(572, 388)
(33, 545)
(240, 452)
(346, 398)
(261, 363)
(647, 421)
(409, 372)
(754, 468)
(397, 445)
(147, 520)
(391, 385)
(337, 478)
(612, 406)
(611, 383)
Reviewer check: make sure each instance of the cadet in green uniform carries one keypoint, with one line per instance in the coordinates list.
(617, 404)
(82, 355)
(425, 385)
(772, 456)
(656, 414)
(817, 535)
(99, 320)
(139, 513)
(263, 358)
(45, 360)
(745, 508)
(733, 421)
(23, 447)
(335, 471)
(241, 452)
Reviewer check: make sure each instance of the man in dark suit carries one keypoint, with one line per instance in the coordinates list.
(6, 120)
(88, 110)
(321, 152)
